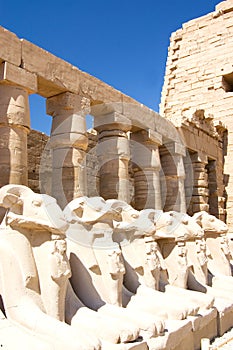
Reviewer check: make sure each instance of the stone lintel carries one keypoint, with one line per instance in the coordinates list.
(98, 91)
(13, 75)
(10, 47)
(138, 113)
(128, 107)
(60, 75)
(56, 76)
(47, 88)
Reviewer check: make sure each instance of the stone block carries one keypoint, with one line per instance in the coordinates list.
(200, 183)
(54, 75)
(97, 90)
(225, 6)
(199, 207)
(10, 47)
(112, 121)
(200, 200)
(11, 74)
(101, 109)
(200, 191)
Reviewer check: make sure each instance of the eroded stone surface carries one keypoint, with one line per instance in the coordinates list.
(125, 265)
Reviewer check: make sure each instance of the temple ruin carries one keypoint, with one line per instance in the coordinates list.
(118, 237)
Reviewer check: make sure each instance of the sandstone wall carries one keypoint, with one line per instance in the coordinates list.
(199, 76)
(92, 165)
(36, 152)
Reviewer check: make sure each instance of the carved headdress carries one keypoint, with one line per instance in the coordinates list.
(27, 209)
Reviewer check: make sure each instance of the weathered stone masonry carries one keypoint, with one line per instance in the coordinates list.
(133, 154)
(199, 78)
(70, 96)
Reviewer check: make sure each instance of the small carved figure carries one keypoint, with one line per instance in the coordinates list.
(182, 273)
(60, 273)
(155, 263)
(182, 253)
(202, 256)
(117, 271)
(224, 243)
(202, 252)
(115, 263)
(60, 266)
(152, 258)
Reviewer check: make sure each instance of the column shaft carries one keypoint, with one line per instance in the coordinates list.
(173, 188)
(200, 196)
(181, 187)
(146, 167)
(69, 142)
(113, 157)
(14, 127)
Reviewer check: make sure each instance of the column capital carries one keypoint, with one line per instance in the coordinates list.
(147, 136)
(14, 126)
(175, 148)
(112, 121)
(14, 106)
(67, 103)
(69, 124)
(199, 157)
(112, 133)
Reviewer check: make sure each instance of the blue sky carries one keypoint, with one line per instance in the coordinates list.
(123, 42)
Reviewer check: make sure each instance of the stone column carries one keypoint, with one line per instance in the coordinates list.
(213, 200)
(172, 155)
(146, 167)
(181, 178)
(14, 127)
(113, 153)
(68, 143)
(200, 194)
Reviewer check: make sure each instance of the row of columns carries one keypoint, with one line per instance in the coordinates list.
(114, 150)
(118, 145)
